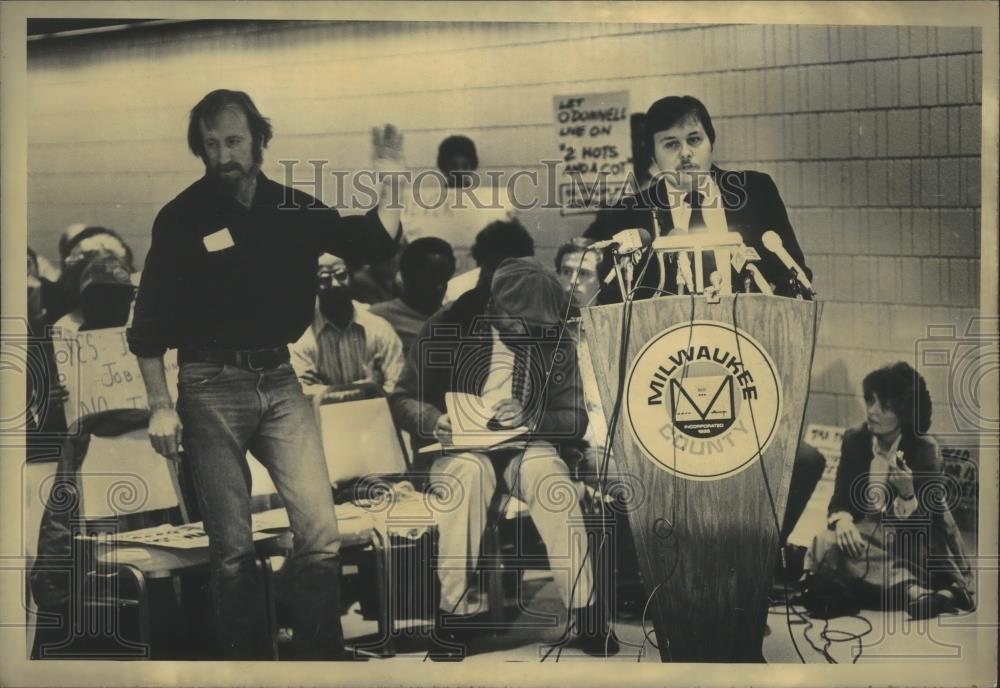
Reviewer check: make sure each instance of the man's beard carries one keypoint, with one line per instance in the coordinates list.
(218, 173)
(336, 304)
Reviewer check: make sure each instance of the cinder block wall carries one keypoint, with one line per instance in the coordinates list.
(871, 133)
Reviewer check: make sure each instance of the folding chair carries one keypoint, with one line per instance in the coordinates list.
(511, 546)
(122, 487)
(359, 436)
(107, 479)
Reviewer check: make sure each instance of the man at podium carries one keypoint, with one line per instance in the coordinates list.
(689, 194)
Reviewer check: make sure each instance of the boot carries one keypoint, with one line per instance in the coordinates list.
(593, 632)
(317, 633)
(449, 640)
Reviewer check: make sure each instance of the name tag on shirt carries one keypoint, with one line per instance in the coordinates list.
(218, 241)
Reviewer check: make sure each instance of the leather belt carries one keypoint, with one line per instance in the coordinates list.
(252, 359)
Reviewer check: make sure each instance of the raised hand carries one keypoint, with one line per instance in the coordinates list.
(387, 143)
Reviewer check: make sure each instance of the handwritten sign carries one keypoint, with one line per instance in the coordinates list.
(101, 374)
(827, 439)
(594, 137)
(963, 471)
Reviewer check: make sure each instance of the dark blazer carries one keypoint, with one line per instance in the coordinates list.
(939, 559)
(752, 205)
(921, 456)
(452, 354)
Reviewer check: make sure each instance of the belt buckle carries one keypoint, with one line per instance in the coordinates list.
(249, 362)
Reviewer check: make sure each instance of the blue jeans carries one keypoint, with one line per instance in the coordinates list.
(225, 411)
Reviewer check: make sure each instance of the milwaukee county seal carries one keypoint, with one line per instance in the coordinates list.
(703, 400)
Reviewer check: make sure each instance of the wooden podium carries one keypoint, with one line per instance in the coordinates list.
(706, 387)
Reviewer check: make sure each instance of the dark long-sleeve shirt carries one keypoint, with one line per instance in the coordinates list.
(219, 274)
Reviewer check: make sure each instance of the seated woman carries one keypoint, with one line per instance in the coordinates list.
(892, 540)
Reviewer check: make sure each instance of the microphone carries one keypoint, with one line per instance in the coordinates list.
(742, 256)
(753, 273)
(772, 242)
(744, 262)
(684, 276)
(625, 241)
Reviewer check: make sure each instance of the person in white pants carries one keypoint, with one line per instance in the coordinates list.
(519, 370)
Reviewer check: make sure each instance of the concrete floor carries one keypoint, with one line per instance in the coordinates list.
(870, 637)
(792, 638)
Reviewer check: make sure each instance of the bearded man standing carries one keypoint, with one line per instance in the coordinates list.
(229, 281)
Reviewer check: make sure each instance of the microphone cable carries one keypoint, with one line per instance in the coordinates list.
(602, 473)
(669, 526)
(763, 468)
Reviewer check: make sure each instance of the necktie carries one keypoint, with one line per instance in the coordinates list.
(697, 221)
(697, 224)
(520, 383)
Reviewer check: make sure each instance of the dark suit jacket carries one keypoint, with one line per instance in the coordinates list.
(921, 456)
(752, 205)
(940, 559)
(452, 354)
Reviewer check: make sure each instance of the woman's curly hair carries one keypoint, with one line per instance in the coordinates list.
(903, 390)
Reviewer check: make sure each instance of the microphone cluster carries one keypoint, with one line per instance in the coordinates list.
(745, 261)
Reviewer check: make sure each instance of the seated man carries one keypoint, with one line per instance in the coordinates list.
(494, 243)
(577, 269)
(426, 266)
(105, 298)
(513, 356)
(345, 343)
(76, 251)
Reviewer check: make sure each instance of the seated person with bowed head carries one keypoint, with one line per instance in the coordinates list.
(528, 377)
(892, 540)
(425, 266)
(345, 343)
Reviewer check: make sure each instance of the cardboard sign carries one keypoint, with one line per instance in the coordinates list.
(101, 374)
(593, 132)
(963, 471)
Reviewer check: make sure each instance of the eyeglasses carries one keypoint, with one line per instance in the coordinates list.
(330, 275)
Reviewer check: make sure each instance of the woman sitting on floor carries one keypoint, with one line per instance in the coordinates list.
(892, 541)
